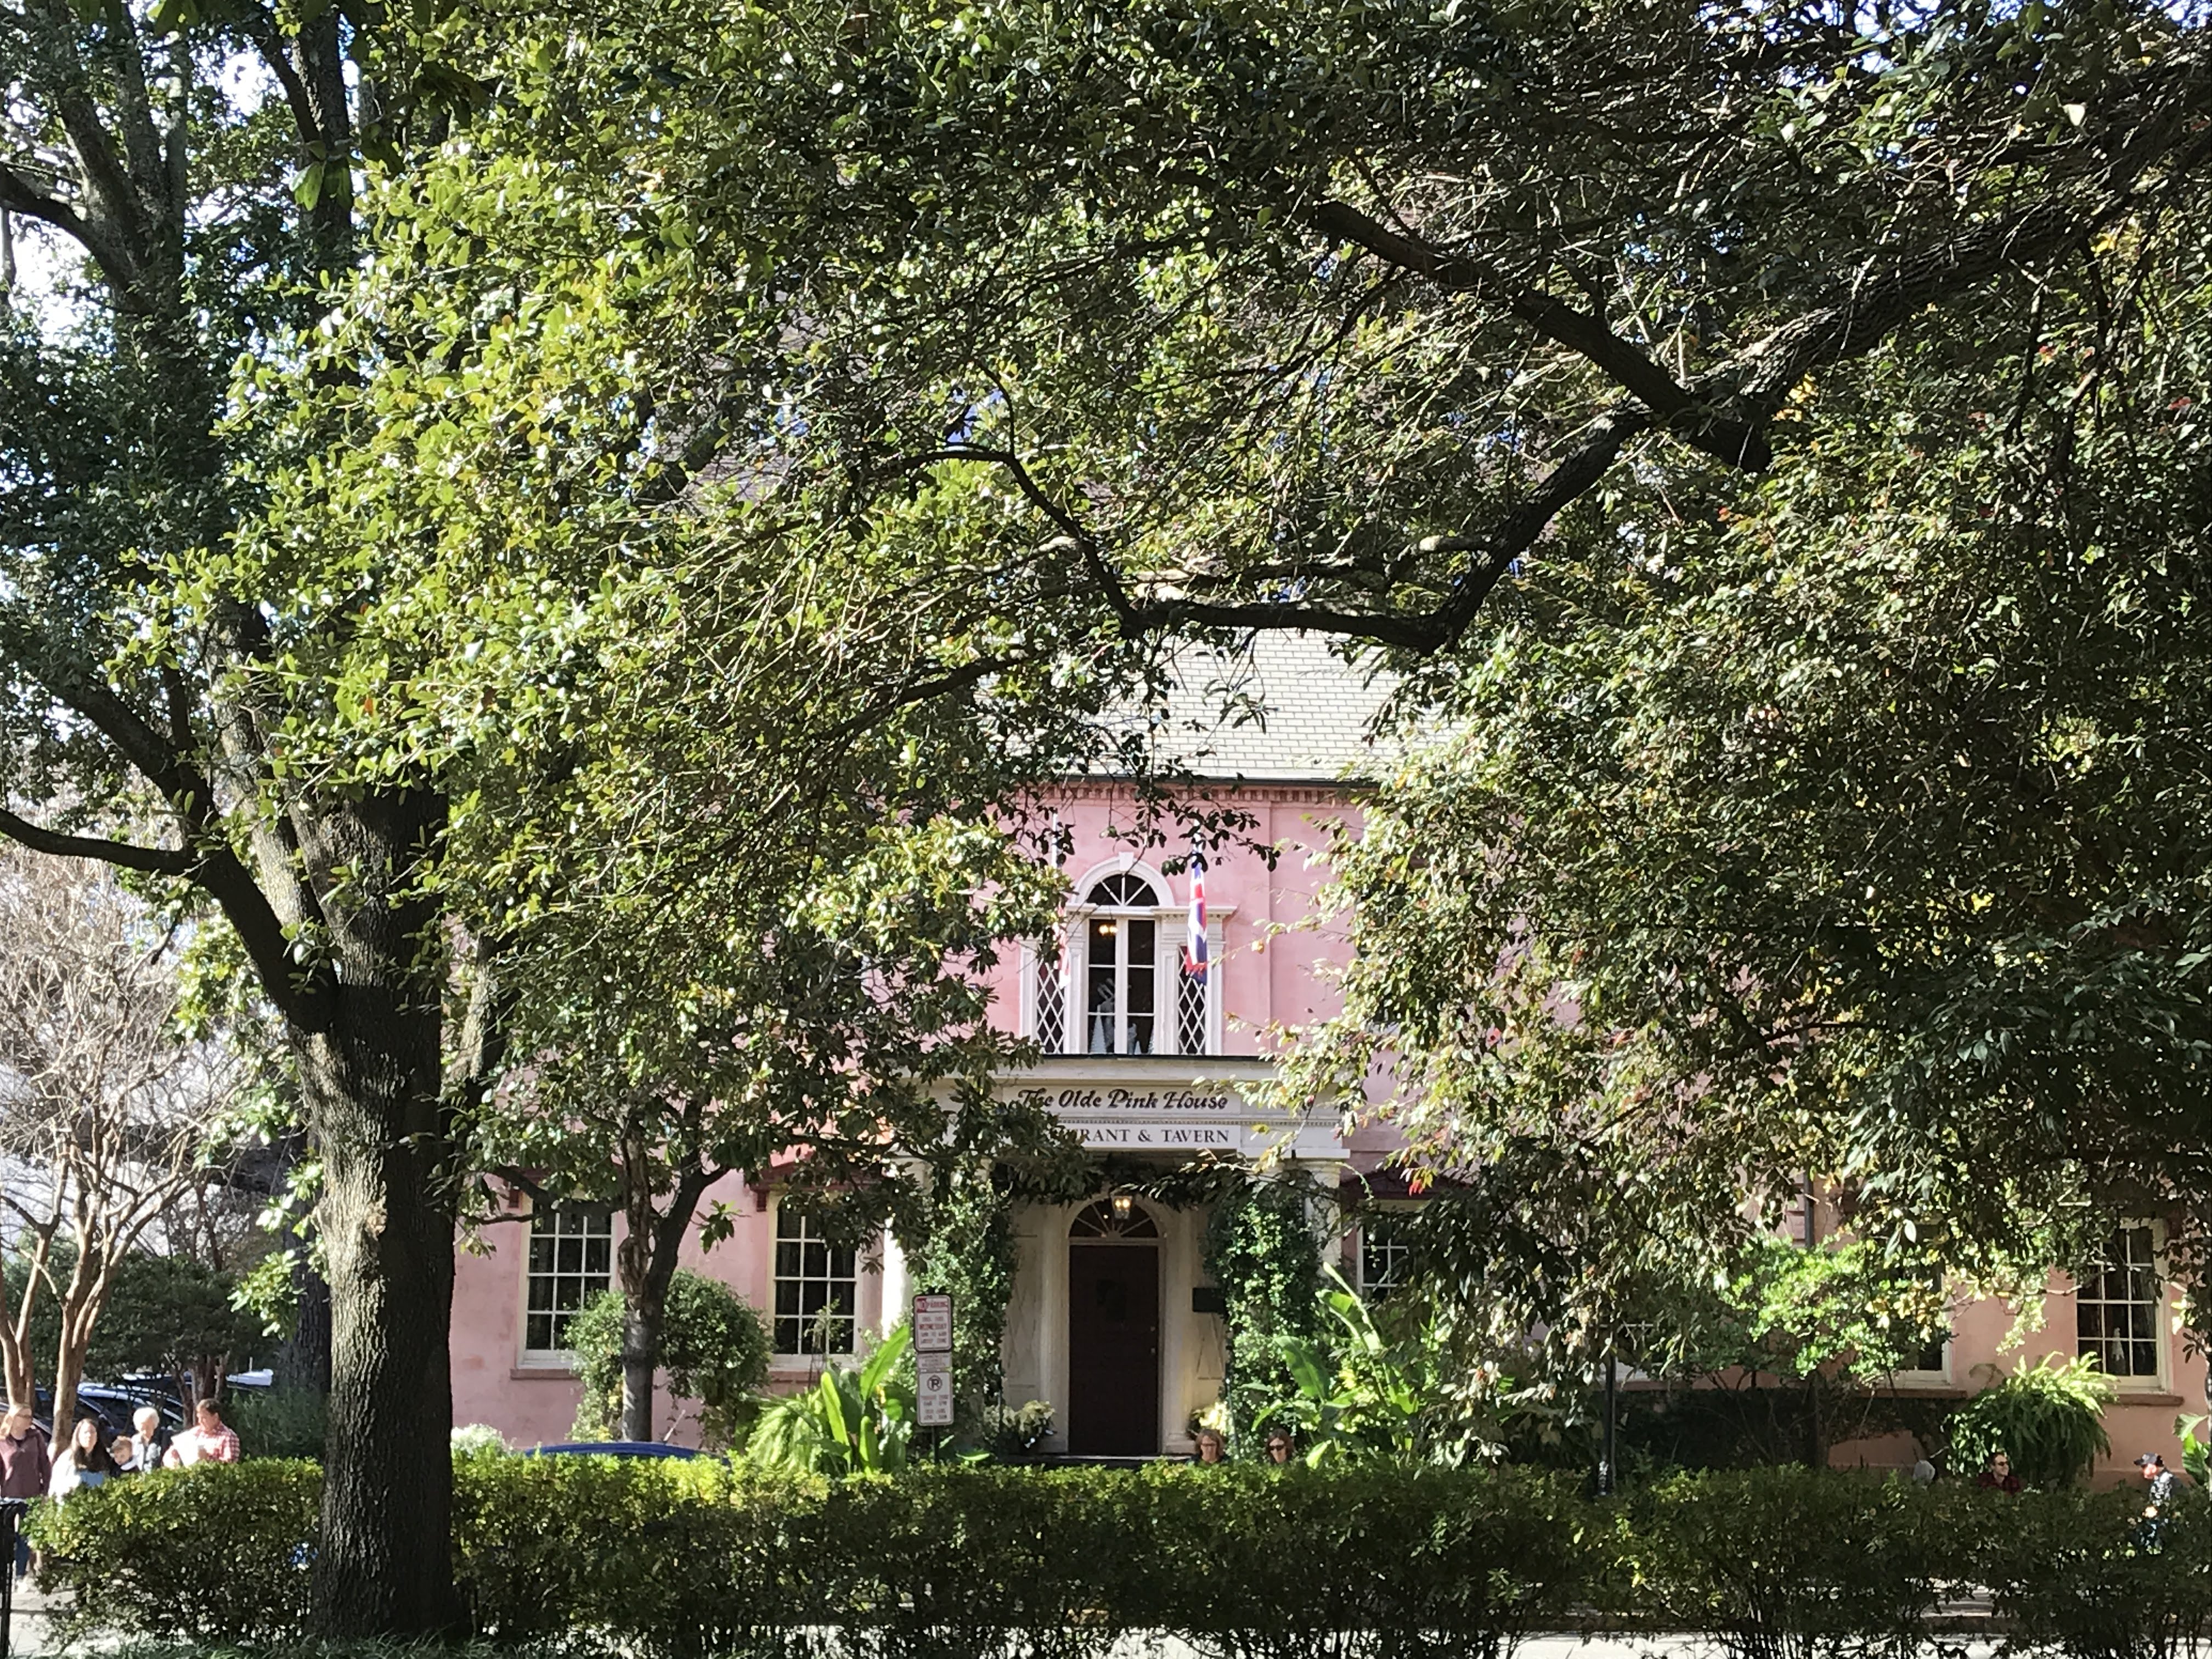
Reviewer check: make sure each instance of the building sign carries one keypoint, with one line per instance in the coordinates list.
(933, 1390)
(1173, 1136)
(933, 1324)
(1148, 1103)
(1169, 1114)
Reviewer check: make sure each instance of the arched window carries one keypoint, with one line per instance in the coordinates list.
(1122, 993)
(1107, 1220)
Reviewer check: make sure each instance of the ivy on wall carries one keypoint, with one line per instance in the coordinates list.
(1261, 1248)
(969, 1252)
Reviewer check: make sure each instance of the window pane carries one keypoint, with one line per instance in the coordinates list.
(1141, 947)
(571, 1251)
(812, 1274)
(2119, 1307)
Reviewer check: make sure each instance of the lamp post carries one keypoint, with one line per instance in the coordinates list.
(1606, 1451)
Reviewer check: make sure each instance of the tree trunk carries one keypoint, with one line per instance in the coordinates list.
(371, 1079)
(645, 1263)
(644, 1314)
(385, 1565)
(304, 1360)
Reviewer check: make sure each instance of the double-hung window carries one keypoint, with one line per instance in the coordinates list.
(1383, 1256)
(571, 1255)
(1122, 993)
(2119, 1307)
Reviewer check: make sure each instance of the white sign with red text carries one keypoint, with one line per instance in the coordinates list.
(933, 1324)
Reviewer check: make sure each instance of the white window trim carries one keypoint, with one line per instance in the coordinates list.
(1169, 942)
(1915, 1378)
(2162, 1381)
(781, 1365)
(1387, 1206)
(561, 1361)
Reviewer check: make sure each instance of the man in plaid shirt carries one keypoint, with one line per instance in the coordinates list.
(209, 1440)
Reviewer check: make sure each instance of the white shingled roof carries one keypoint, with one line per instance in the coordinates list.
(1284, 708)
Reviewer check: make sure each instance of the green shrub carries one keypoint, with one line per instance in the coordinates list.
(2079, 1572)
(277, 1422)
(854, 1420)
(675, 1560)
(2050, 1419)
(1786, 1564)
(713, 1349)
(687, 1559)
(1260, 1245)
(216, 1553)
(664, 1558)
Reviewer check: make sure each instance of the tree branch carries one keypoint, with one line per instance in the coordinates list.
(1679, 411)
(153, 860)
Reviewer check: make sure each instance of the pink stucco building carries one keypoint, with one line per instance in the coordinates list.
(1110, 1318)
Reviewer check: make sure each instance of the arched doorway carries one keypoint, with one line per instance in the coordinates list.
(1114, 1331)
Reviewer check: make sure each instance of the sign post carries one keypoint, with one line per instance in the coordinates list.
(933, 1360)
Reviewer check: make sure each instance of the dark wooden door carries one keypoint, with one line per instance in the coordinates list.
(1114, 1349)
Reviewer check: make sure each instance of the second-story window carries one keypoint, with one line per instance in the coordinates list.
(1122, 988)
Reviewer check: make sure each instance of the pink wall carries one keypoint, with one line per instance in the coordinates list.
(1270, 976)
(536, 1404)
(2141, 1420)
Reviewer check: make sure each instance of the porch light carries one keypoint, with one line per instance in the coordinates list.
(1122, 1204)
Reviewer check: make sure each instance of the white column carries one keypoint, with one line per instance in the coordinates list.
(1326, 1218)
(898, 1285)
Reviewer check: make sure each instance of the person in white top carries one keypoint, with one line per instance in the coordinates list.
(84, 1463)
(148, 1444)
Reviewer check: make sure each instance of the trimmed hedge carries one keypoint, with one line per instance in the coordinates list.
(216, 1553)
(683, 1559)
(1776, 1564)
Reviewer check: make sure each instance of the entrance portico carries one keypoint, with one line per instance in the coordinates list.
(1112, 1317)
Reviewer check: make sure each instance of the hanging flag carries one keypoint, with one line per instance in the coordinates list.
(1195, 950)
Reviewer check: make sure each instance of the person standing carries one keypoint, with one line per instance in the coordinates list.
(2159, 1499)
(149, 1444)
(209, 1440)
(84, 1463)
(1999, 1474)
(25, 1469)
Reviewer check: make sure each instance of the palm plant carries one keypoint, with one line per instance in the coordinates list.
(855, 1420)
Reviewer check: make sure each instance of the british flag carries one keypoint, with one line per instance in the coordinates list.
(1195, 953)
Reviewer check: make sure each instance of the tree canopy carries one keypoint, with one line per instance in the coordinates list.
(491, 481)
(1845, 831)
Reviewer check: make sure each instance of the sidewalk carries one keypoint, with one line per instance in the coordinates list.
(27, 1628)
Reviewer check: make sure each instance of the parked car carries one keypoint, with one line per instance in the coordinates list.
(123, 1403)
(111, 1410)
